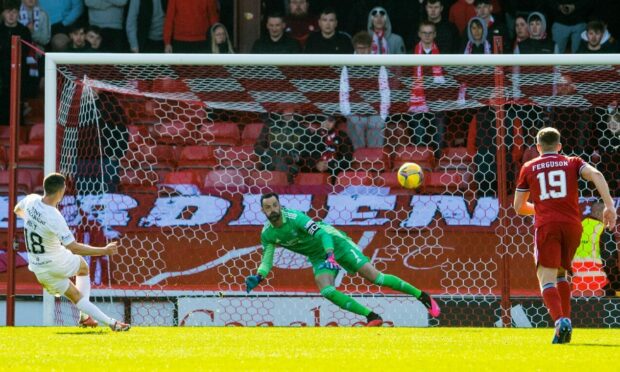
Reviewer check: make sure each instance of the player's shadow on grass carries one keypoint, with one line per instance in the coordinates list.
(596, 345)
(84, 333)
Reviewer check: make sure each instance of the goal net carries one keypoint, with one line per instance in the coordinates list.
(169, 156)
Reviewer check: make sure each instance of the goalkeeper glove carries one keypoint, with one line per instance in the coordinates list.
(330, 262)
(252, 281)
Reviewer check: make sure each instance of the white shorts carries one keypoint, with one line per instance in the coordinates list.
(55, 280)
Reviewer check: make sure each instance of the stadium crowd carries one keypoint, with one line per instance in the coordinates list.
(339, 27)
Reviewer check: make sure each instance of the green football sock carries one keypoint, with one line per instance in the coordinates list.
(396, 283)
(343, 301)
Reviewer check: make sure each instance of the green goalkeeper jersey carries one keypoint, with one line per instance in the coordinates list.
(298, 233)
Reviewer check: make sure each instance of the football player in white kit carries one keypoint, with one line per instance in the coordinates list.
(54, 256)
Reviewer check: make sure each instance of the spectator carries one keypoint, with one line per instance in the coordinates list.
(187, 24)
(521, 31)
(10, 27)
(569, 17)
(427, 127)
(599, 244)
(145, 26)
(495, 28)
(276, 42)
(460, 14)
(60, 43)
(447, 39)
(328, 40)
(78, 40)
(538, 42)
(36, 19)
(607, 12)
(299, 22)
(62, 13)
(94, 38)
(334, 148)
(219, 41)
(596, 39)
(108, 15)
(362, 43)
(380, 28)
(476, 42)
(514, 9)
(281, 142)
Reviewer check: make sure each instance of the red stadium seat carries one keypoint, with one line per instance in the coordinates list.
(250, 133)
(30, 156)
(236, 156)
(421, 155)
(267, 178)
(183, 178)
(220, 134)
(226, 179)
(197, 157)
(36, 134)
(446, 181)
(455, 158)
(24, 183)
(354, 178)
(138, 180)
(138, 136)
(4, 159)
(312, 179)
(370, 159)
(175, 133)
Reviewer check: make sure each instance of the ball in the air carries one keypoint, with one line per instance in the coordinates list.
(410, 175)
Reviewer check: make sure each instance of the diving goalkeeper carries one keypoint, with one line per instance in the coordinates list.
(327, 249)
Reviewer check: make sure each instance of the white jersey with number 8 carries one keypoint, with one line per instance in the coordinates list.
(46, 234)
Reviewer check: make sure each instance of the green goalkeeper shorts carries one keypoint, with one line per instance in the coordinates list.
(348, 256)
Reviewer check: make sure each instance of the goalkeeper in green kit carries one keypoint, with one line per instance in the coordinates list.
(328, 249)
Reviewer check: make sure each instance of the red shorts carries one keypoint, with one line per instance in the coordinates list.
(556, 244)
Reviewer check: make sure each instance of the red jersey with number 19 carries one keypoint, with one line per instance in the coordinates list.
(552, 180)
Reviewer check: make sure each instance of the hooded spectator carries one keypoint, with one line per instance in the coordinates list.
(538, 42)
(380, 28)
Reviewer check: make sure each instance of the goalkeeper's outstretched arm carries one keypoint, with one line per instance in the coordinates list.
(266, 264)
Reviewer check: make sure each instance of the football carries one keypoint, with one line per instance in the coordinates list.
(410, 175)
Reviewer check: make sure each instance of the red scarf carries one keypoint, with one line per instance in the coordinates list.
(378, 38)
(417, 101)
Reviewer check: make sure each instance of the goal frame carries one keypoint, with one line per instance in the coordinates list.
(52, 61)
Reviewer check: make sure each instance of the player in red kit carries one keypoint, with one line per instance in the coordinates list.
(551, 183)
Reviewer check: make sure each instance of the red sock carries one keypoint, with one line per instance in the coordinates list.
(565, 291)
(552, 299)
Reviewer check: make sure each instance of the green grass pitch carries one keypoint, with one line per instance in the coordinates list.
(309, 349)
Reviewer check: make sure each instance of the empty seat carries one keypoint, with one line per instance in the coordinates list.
(138, 180)
(138, 136)
(4, 158)
(250, 133)
(236, 156)
(23, 186)
(197, 156)
(30, 156)
(447, 181)
(183, 178)
(312, 179)
(36, 134)
(175, 133)
(220, 134)
(354, 178)
(226, 179)
(370, 159)
(267, 178)
(455, 158)
(421, 155)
